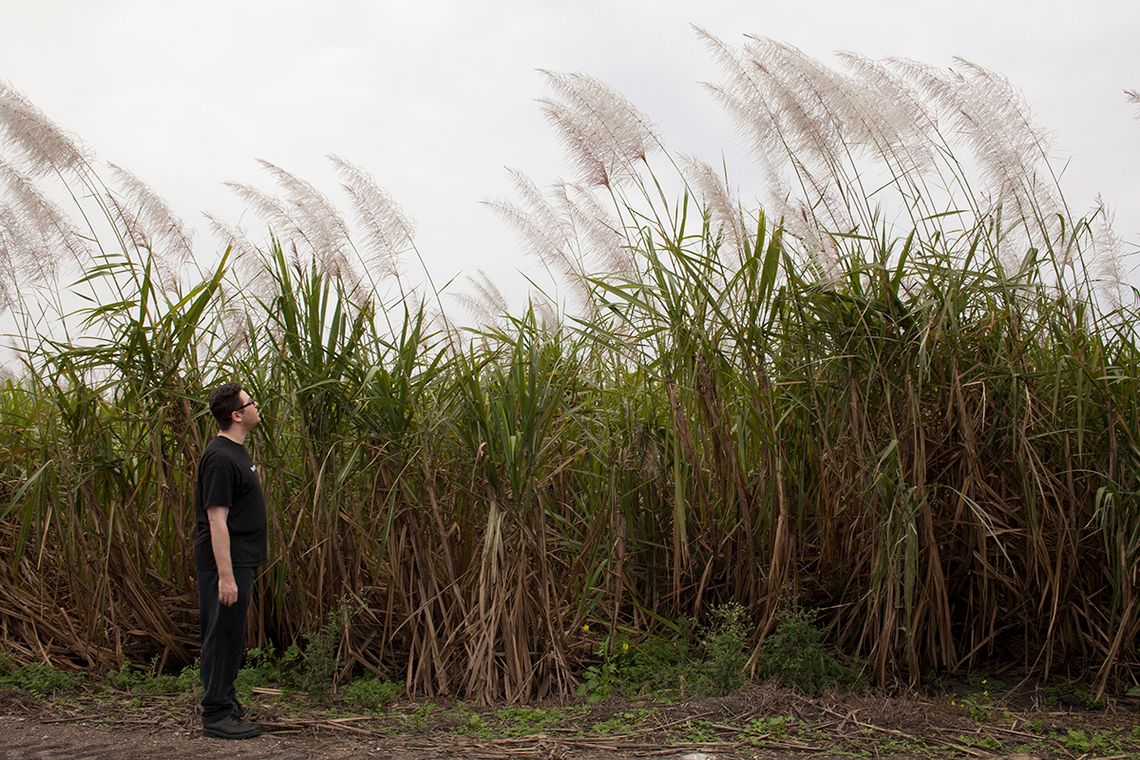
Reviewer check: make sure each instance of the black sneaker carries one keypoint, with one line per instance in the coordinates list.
(230, 727)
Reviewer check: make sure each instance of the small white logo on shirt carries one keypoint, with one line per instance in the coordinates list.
(253, 468)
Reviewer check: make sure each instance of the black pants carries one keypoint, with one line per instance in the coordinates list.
(223, 641)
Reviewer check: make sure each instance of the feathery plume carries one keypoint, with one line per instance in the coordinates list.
(1039, 188)
(548, 236)
(486, 303)
(790, 78)
(7, 271)
(36, 211)
(592, 167)
(254, 280)
(725, 217)
(985, 111)
(245, 260)
(895, 116)
(39, 143)
(602, 131)
(267, 208)
(388, 231)
(324, 229)
(131, 225)
(1109, 256)
(925, 158)
(235, 316)
(26, 257)
(879, 134)
(781, 136)
(745, 98)
(13, 248)
(288, 224)
(814, 133)
(171, 239)
(596, 232)
(537, 222)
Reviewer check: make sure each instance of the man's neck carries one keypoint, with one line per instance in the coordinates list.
(235, 434)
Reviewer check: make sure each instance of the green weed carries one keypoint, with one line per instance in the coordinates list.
(794, 655)
(421, 715)
(40, 680)
(655, 665)
(725, 648)
(699, 730)
(905, 747)
(1100, 741)
(150, 681)
(260, 669)
(320, 670)
(471, 722)
(525, 721)
(986, 742)
(776, 726)
(370, 693)
(1083, 742)
(623, 722)
(599, 680)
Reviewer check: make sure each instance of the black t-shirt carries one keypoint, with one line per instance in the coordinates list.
(227, 477)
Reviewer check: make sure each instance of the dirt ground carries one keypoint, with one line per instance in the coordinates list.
(759, 722)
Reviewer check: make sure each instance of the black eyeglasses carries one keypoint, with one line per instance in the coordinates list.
(251, 402)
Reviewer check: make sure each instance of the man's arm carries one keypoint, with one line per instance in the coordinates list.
(220, 542)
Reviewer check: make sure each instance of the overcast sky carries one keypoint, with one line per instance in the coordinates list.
(435, 98)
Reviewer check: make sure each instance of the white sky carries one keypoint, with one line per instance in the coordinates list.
(435, 98)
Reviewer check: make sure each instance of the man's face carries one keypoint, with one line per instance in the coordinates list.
(248, 415)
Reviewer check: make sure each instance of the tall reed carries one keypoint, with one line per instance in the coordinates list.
(905, 405)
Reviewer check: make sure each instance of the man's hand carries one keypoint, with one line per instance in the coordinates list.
(220, 541)
(227, 590)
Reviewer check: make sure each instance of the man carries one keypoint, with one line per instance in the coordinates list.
(229, 544)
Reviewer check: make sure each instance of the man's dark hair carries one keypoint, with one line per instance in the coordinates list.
(224, 401)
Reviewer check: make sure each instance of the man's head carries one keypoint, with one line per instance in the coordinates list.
(230, 404)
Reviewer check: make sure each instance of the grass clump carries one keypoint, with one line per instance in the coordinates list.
(370, 693)
(795, 656)
(150, 681)
(623, 722)
(38, 679)
(765, 727)
(321, 667)
(262, 667)
(1098, 741)
(469, 721)
(312, 668)
(659, 665)
(526, 721)
(725, 651)
(653, 666)
(420, 717)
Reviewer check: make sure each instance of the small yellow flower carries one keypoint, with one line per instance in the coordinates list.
(952, 702)
(986, 693)
(984, 682)
(586, 628)
(625, 646)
